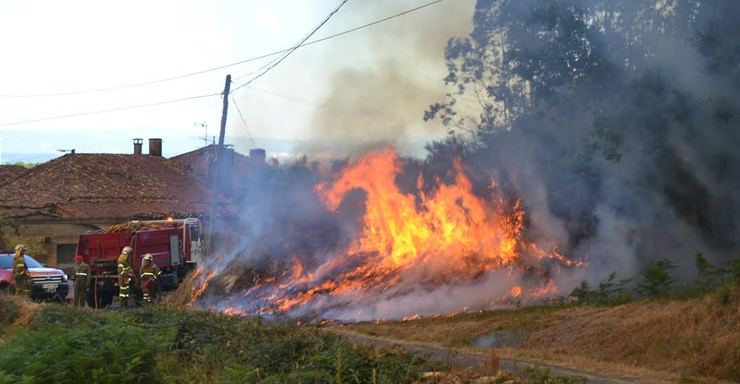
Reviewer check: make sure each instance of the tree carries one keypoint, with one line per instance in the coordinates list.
(624, 106)
(656, 279)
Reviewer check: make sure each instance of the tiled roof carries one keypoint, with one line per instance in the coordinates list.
(10, 172)
(103, 186)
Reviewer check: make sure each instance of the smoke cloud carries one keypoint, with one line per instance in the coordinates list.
(621, 150)
(381, 99)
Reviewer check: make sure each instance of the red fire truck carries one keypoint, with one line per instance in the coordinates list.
(177, 246)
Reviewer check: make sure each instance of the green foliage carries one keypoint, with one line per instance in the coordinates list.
(709, 275)
(609, 292)
(158, 345)
(66, 350)
(656, 278)
(25, 164)
(723, 280)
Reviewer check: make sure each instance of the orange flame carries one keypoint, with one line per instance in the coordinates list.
(451, 231)
(445, 236)
(516, 291)
(201, 285)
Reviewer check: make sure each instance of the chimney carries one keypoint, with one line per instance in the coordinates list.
(257, 155)
(155, 147)
(138, 143)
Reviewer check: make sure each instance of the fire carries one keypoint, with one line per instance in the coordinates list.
(202, 279)
(451, 229)
(516, 291)
(408, 241)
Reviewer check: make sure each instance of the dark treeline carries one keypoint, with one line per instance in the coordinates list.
(616, 122)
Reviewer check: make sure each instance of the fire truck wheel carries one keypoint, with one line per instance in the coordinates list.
(91, 297)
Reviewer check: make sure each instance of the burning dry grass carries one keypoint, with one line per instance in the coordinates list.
(185, 291)
(695, 338)
(437, 246)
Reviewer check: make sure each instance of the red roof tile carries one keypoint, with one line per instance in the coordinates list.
(10, 172)
(103, 186)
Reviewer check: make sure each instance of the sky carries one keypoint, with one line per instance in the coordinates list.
(359, 89)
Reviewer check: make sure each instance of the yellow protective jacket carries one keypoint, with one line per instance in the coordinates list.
(150, 270)
(19, 265)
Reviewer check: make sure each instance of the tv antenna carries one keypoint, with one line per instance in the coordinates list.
(203, 125)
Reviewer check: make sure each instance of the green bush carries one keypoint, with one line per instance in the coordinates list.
(609, 292)
(159, 345)
(722, 280)
(65, 350)
(656, 279)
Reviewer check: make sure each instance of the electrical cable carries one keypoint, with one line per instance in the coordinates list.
(150, 82)
(107, 110)
(244, 121)
(276, 63)
(269, 66)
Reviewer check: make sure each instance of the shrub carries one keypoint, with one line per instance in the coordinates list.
(609, 292)
(656, 279)
(160, 345)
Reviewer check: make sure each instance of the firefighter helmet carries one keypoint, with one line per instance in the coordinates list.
(127, 250)
(148, 256)
(20, 247)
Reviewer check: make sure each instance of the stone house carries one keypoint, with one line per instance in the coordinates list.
(54, 202)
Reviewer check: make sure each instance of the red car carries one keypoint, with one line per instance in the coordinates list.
(47, 283)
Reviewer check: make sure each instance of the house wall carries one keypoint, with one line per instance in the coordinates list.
(43, 239)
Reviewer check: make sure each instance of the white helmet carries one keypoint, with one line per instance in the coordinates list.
(127, 250)
(20, 247)
(148, 256)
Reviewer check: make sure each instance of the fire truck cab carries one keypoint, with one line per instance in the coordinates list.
(177, 246)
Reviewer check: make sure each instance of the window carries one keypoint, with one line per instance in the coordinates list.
(66, 253)
(194, 234)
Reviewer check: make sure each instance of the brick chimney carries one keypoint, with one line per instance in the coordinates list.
(138, 143)
(155, 147)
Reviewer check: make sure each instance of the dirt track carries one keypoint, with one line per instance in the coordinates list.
(478, 360)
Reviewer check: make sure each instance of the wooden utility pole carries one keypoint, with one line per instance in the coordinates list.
(227, 87)
(216, 167)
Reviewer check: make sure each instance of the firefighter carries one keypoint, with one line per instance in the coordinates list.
(149, 276)
(20, 271)
(82, 281)
(124, 276)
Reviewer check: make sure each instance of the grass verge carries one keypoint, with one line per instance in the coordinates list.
(163, 345)
(695, 338)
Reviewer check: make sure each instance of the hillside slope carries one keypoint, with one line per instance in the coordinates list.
(698, 338)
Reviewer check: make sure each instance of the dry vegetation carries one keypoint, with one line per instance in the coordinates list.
(698, 338)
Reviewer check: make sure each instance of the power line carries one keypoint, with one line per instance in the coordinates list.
(151, 82)
(244, 121)
(107, 110)
(273, 65)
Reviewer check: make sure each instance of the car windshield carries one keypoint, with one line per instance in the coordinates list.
(6, 262)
